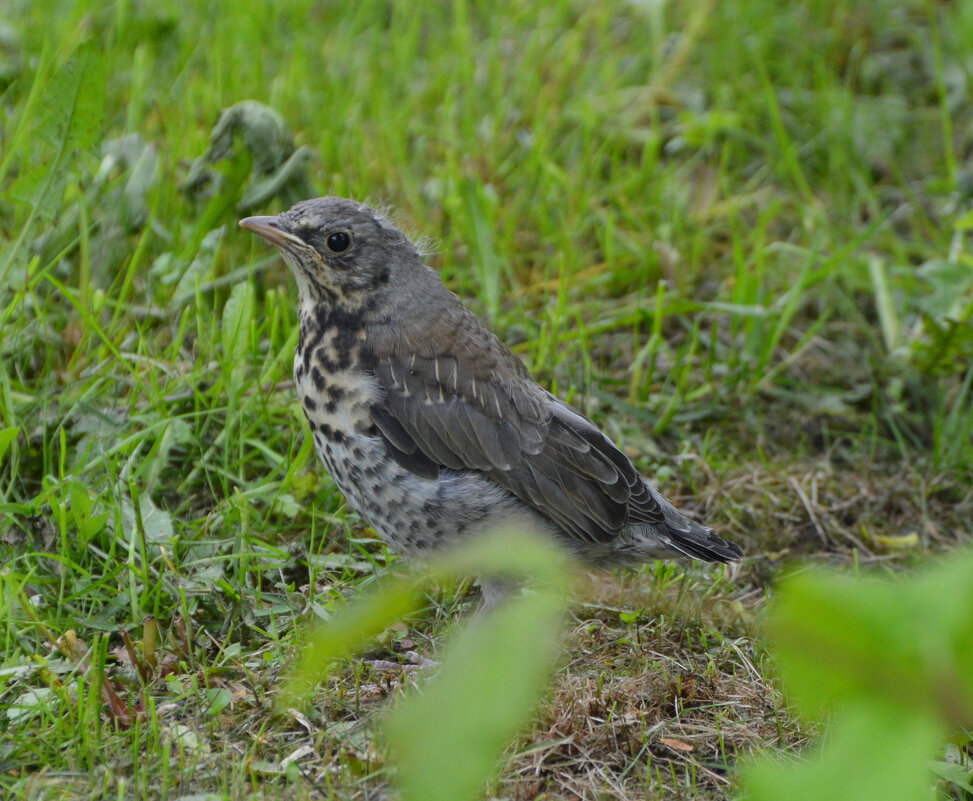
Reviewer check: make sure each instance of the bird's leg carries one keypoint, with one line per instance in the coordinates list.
(495, 590)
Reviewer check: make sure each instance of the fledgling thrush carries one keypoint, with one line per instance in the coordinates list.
(431, 427)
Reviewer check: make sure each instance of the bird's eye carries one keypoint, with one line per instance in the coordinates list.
(338, 241)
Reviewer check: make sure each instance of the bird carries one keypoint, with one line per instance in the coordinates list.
(431, 427)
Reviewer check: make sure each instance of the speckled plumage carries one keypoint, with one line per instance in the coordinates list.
(430, 426)
(333, 370)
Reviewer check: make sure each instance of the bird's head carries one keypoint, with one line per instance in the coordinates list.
(342, 253)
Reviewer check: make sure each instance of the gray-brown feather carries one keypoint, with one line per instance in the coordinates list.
(468, 403)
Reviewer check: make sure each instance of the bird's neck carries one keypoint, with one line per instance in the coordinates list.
(324, 317)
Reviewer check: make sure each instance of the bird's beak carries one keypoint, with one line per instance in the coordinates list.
(269, 229)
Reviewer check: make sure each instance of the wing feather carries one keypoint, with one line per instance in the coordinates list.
(466, 402)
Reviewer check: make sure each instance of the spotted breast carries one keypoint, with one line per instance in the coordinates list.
(335, 377)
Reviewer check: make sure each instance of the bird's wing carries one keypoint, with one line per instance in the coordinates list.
(476, 408)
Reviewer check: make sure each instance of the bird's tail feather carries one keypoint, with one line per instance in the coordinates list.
(700, 542)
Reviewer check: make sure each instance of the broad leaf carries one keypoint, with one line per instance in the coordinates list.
(905, 642)
(875, 752)
(75, 99)
(447, 738)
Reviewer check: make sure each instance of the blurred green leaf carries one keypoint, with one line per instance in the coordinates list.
(960, 775)
(7, 435)
(703, 128)
(834, 640)
(965, 222)
(218, 698)
(891, 660)
(235, 331)
(950, 282)
(350, 629)
(274, 165)
(447, 739)
(875, 752)
(89, 520)
(508, 552)
(840, 639)
(75, 102)
(156, 522)
(884, 303)
(175, 269)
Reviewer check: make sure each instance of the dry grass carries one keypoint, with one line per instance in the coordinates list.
(837, 509)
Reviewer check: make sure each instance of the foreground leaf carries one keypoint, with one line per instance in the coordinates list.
(876, 752)
(906, 642)
(447, 738)
(351, 629)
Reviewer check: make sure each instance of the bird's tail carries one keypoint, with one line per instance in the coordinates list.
(700, 542)
(694, 540)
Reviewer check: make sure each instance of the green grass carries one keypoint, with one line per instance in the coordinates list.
(734, 233)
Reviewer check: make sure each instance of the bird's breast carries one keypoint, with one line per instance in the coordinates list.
(334, 383)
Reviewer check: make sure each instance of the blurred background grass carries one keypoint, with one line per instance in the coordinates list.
(734, 233)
